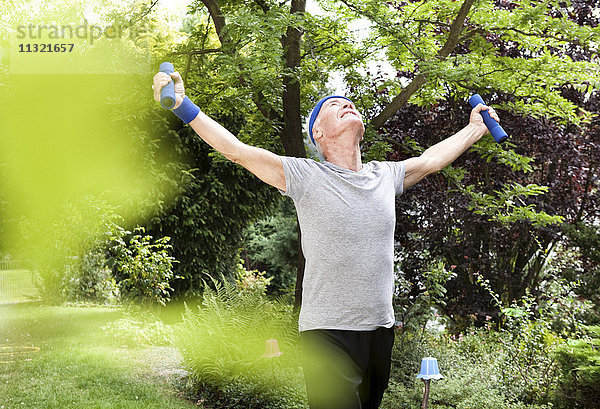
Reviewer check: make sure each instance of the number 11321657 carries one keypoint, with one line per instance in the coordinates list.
(46, 48)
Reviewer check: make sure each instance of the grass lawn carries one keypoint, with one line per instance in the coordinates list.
(59, 357)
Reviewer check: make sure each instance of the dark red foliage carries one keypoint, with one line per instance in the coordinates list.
(433, 217)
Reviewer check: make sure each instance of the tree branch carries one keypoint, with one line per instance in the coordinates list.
(539, 35)
(219, 21)
(575, 41)
(263, 5)
(455, 29)
(217, 17)
(433, 22)
(144, 14)
(400, 100)
(319, 50)
(196, 52)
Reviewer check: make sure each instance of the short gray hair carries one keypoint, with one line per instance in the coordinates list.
(317, 144)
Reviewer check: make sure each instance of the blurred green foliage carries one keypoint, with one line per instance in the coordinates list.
(223, 341)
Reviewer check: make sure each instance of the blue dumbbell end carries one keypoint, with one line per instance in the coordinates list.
(494, 127)
(167, 93)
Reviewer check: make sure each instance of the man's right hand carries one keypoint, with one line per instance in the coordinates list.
(161, 79)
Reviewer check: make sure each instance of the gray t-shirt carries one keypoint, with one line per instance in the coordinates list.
(347, 220)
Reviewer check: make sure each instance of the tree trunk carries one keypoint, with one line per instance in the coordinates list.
(292, 138)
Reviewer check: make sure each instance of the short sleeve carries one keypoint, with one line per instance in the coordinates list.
(297, 173)
(398, 170)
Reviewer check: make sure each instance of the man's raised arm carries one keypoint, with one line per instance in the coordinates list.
(264, 164)
(445, 152)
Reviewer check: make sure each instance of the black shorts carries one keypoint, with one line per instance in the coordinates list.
(346, 369)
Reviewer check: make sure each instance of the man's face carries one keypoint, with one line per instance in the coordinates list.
(338, 116)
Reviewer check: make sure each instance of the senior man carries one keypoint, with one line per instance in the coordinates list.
(346, 211)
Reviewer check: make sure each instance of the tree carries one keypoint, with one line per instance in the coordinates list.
(465, 47)
(535, 62)
(497, 211)
(505, 237)
(248, 62)
(215, 202)
(253, 65)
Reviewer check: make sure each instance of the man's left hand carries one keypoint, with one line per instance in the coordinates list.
(476, 119)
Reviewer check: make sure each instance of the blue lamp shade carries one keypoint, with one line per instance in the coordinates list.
(429, 369)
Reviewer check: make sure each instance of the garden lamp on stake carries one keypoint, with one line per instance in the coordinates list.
(271, 349)
(429, 371)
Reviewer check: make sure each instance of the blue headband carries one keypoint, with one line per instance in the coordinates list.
(315, 113)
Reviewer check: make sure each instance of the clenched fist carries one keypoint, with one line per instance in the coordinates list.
(477, 120)
(161, 79)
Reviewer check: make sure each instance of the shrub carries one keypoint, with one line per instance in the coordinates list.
(253, 281)
(144, 268)
(271, 244)
(579, 362)
(51, 284)
(409, 349)
(223, 342)
(68, 256)
(530, 370)
(529, 367)
(90, 279)
(86, 257)
(472, 368)
(415, 303)
(518, 367)
(415, 307)
(475, 374)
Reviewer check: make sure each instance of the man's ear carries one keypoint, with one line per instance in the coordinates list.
(317, 133)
